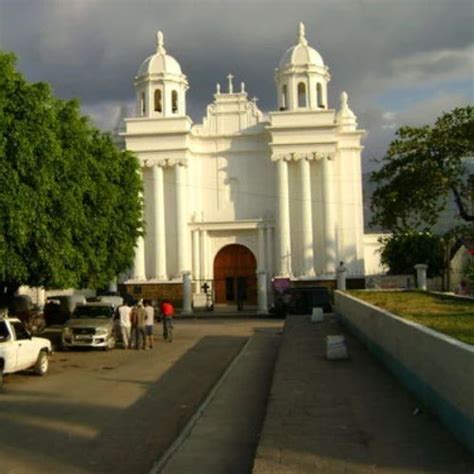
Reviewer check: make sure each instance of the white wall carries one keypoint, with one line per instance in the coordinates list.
(372, 248)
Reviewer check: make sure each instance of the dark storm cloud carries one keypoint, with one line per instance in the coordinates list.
(91, 49)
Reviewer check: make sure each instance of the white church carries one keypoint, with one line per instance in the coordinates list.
(246, 198)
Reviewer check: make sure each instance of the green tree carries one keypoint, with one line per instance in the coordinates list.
(422, 169)
(70, 210)
(402, 251)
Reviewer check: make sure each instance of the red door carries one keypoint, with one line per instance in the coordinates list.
(235, 275)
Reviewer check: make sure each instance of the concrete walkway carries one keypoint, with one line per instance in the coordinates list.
(225, 438)
(346, 416)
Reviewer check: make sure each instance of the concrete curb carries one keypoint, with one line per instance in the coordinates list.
(164, 458)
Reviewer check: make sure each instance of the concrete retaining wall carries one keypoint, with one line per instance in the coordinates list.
(437, 368)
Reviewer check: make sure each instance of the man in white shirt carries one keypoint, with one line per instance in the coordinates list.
(149, 321)
(125, 324)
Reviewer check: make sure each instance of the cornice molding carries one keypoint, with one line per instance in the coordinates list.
(309, 156)
(165, 163)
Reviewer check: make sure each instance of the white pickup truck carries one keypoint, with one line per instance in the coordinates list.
(19, 350)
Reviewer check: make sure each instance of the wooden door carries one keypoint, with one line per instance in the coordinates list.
(235, 269)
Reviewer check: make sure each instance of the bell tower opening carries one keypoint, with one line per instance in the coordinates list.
(284, 97)
(301, 95)
(319, 95)
(142, 104)
(158, 105)
(174, 102)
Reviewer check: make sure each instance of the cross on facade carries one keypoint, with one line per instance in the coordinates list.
(231, 86)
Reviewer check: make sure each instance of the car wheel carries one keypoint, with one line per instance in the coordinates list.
(42, 364)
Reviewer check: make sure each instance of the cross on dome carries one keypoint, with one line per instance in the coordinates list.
(231, 86)
(302, 34)
(160, 43)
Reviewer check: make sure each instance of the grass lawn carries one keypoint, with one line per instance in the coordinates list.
(451, 316)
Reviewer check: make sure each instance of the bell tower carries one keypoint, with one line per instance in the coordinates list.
(302, 77)
(160, 85)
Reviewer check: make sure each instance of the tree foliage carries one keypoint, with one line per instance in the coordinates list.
(401, 252)
(422, 169)
(70, 210)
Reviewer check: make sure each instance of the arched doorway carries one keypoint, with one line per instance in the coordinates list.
(235, 269)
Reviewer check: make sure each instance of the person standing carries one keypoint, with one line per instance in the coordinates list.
(149, 321)
(167, 312)
(241, 293)
(125, 324)
(138, 326)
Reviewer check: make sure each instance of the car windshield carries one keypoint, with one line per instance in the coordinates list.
(95, 312)
(4, 334)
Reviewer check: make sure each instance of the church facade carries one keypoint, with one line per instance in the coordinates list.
(245, 198)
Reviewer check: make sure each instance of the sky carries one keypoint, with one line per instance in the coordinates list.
(402, 62)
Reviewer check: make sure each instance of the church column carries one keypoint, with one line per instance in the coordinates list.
(262, 292)
(159, 222)
(138, 272)
(204, 253)
(329, 217)
(196, 259)
(187, 293)
(181, 230)
(306, 218)
(284, 256)
(139, 261)
(269, 250)
(261, 249)
(269, 260)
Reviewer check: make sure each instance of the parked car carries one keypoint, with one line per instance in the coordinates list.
(23, 308)
(19, 350)
(304, 299)
(112, 299)
(91, 325)
(58, 309)
(301, 300)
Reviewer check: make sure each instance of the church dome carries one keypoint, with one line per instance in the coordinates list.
(301, 54)
(160, 62)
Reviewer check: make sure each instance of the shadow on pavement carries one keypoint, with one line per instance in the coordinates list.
(93, 431)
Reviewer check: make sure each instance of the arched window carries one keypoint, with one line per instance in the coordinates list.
(158, 106)
(174, 102)
(142, 104)
(301, 94)
(284, 97)
(319, 92)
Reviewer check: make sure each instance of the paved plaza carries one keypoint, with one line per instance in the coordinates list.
(118, 411)
(281, 404)
(346, 416)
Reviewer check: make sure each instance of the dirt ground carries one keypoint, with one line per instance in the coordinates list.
(114, 411)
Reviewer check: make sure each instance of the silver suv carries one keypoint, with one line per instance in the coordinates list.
(91, 325)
